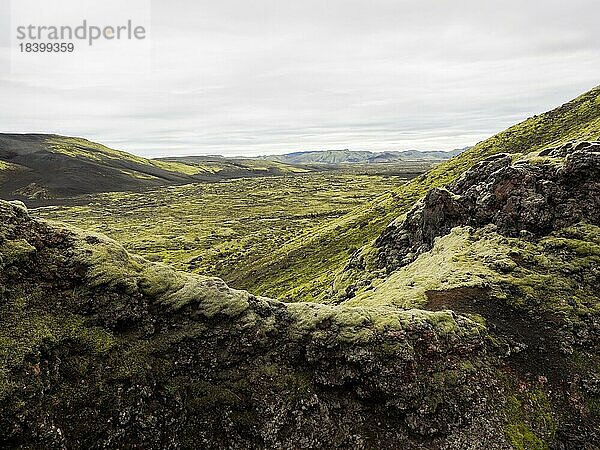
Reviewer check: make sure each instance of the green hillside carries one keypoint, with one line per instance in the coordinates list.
(304, 268)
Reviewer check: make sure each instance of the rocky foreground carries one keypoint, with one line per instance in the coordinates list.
(103, 349)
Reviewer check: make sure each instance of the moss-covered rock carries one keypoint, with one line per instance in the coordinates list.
(104, 349)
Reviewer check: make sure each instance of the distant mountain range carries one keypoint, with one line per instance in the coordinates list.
(362, 157)
(40, 167)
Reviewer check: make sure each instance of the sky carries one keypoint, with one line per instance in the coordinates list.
(238, 77)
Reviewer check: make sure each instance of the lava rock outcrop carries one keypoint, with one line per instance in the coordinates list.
(530, 197)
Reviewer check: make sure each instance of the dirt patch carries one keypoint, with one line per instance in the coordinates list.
(454, 298)
(531, 341)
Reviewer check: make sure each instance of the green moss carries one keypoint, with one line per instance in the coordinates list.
(206, 395)
(522, 438)
(557, 272)
(177, 167)
(14, 251)
(8, 166)
(358, 325)
(527, 412)
(23, 332)
(109, 265)
(138, 175)
(211, 295)
(464, 259)
(593, 405)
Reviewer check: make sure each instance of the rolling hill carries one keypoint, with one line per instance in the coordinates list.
(39, 168)
(47, 166)
(304, 268)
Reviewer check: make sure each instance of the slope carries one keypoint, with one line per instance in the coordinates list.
(303, 269)
(48, 166)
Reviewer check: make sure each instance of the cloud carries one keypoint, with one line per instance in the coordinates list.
(236, 77)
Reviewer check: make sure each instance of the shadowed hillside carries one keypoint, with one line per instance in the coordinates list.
(41, 168)
(46, 166)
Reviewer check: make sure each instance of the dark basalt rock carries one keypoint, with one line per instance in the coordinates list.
(528, 198)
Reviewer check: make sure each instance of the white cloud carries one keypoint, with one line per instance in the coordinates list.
(238, 77)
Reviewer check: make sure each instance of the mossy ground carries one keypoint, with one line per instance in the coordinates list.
(558, 270)
(82, 148)
(220, 229)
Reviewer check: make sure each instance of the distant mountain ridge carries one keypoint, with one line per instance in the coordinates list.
(40, 168)
(361, 157)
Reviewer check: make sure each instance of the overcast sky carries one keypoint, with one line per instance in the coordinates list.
(257, 77)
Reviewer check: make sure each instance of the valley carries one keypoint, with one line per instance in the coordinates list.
(364, 225)
(218, 228)
(364, 306)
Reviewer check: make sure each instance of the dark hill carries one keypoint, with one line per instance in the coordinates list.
(47, 166)
(40, 168)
